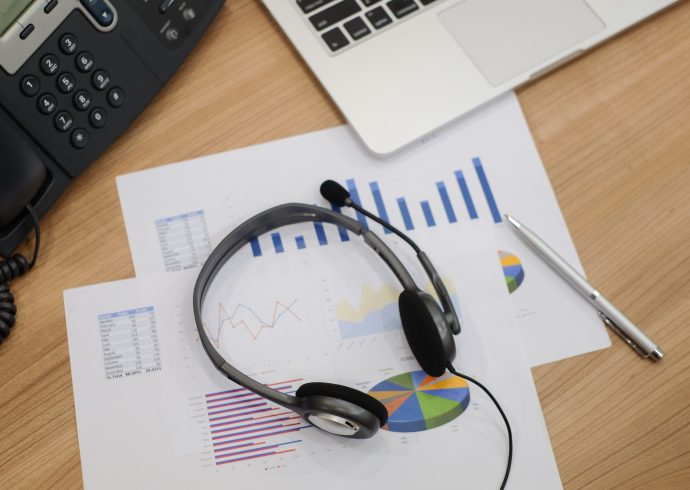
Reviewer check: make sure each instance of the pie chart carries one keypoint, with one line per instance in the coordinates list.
(416, 401)
(512, 270)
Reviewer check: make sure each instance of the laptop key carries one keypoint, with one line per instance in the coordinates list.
(357, 28)
(333, 15)
(335, 39)
(401, 8)
(378, 17)
(369, 3)
(311, 5)
(427, 2)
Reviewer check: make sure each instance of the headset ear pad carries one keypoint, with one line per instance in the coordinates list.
(427, 331)
(347, 394)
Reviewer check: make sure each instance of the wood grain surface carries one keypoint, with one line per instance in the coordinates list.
(613, 129)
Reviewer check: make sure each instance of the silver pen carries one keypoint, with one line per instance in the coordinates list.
(611, 316)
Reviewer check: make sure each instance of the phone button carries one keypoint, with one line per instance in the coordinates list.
(47, 104)
(82, 100)
(66, 83)
(189, 14)
(172, 34)
(26, 32)
(30, 85)
(50, 64)
(105, 17)
(68, 44)
(98, 118)
(100, 11)
(80, 138)
(63, 121)
(85, 62)
(116, 97)
(50, 6)
(100, 80)
(165, 5)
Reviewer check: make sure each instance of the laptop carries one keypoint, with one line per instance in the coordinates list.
(401, 69)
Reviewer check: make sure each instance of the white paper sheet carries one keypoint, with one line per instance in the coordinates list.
(175, 214)
(152, 412)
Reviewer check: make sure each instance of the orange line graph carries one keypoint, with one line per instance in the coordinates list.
(279, 309)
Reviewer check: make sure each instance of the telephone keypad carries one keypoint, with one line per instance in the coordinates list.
(76, 85)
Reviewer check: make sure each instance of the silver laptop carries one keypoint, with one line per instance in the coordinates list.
(400, 69)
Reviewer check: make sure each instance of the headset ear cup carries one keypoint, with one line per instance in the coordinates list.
(347, 394)
(427, 331)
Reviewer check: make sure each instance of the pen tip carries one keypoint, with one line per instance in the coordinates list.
(512, 221)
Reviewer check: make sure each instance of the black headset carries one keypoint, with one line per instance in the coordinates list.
(428, 326)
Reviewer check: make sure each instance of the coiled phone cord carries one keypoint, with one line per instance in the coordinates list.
(11, 268)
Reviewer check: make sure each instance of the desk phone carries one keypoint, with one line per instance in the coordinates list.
(74, 74)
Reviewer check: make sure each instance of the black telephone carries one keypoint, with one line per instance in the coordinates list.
(74, 74)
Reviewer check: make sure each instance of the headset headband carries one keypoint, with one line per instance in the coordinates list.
(283, 215)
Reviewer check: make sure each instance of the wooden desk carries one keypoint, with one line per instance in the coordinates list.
(613, 129)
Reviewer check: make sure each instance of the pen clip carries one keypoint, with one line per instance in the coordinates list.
(610, 323)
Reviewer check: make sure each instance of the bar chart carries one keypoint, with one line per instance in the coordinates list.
(245, 426)
(440, 208)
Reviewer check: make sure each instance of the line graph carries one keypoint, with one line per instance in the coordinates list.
(247, 319)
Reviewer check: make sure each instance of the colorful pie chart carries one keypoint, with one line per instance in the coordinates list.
(512, 270)
(416, 401)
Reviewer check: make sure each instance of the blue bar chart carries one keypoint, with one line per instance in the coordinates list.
(442, 207)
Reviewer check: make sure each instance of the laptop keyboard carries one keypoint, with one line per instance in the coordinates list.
(341, 23)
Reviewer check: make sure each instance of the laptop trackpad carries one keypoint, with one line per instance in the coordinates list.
(505, 38)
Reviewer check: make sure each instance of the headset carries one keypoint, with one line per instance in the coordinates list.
(429, 327)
